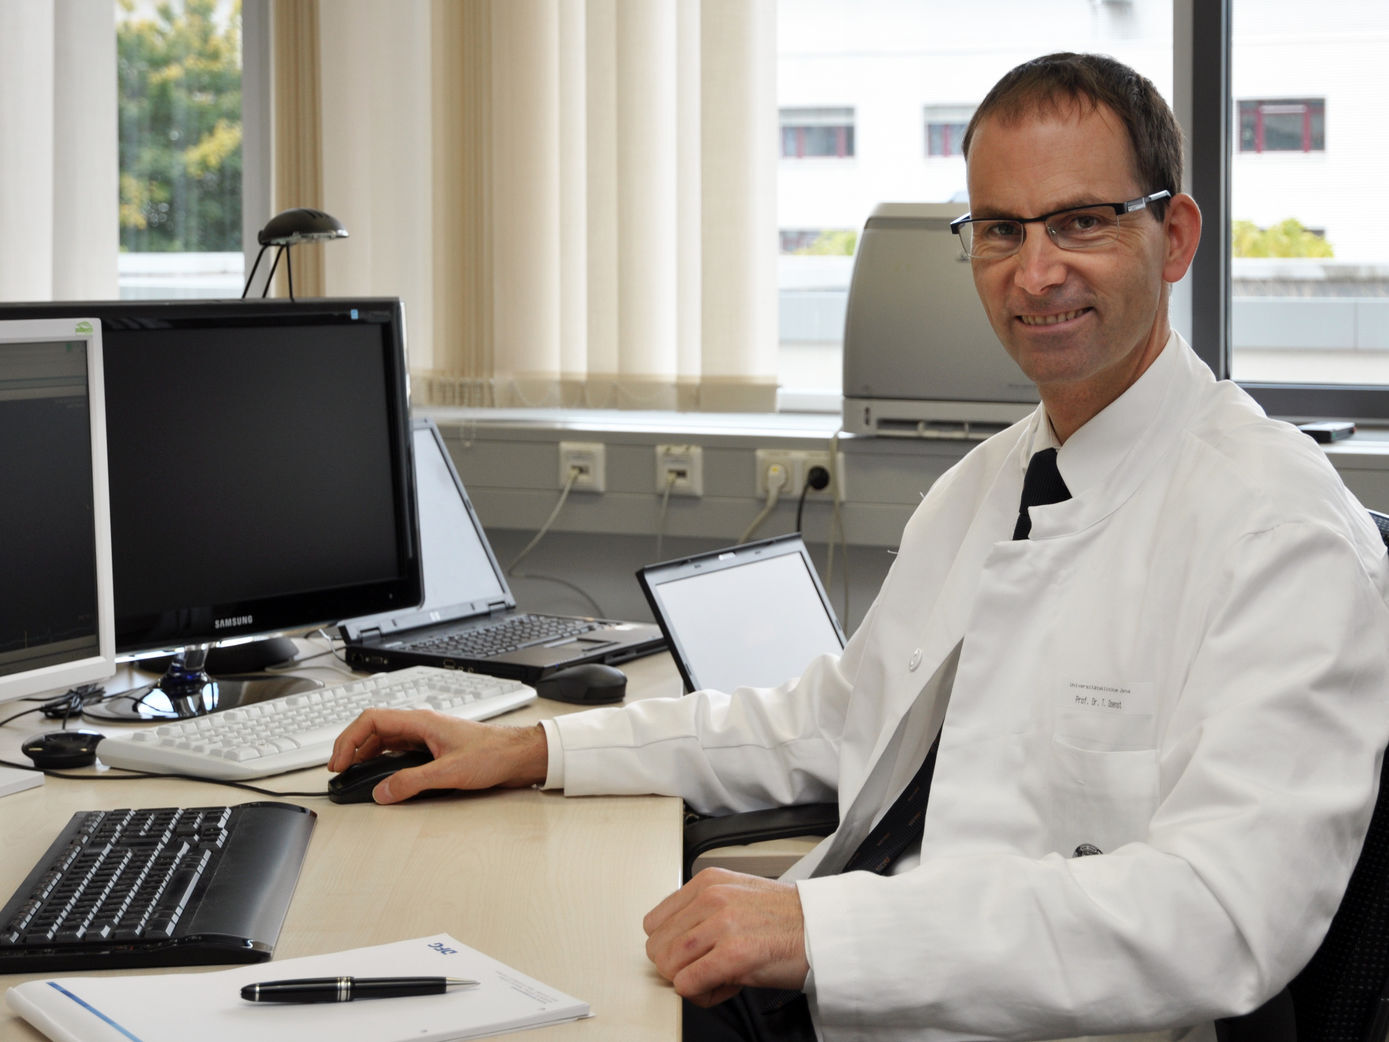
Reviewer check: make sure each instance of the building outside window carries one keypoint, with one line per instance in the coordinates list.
(808, 133)
(1309, 298)
(1293, 125)
(945, 129)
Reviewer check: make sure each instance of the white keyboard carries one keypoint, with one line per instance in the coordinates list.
(297, 731)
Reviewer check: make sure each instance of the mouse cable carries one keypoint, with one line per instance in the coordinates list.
(133, 775)
(334, 646)
(25, 713)
(62, 707)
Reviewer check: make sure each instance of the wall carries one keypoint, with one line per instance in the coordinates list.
(509, 462)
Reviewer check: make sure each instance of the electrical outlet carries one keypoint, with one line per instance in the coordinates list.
(681, 469)
(835, 489)
(587, 458)
(796, 464)
(776, 461)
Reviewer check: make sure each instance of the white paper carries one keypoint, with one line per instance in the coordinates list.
(16, 779)
(177, 1006)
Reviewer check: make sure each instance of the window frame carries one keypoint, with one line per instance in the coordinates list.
(1212, 137)
(256, 123)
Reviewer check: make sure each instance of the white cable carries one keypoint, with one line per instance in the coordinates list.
(665, 506)
(837, 527)
(511, 569)
(563, 495)
(776, 478)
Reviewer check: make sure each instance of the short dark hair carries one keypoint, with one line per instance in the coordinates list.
(1091, 80)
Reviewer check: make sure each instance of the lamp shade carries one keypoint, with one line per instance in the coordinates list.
(300, 224)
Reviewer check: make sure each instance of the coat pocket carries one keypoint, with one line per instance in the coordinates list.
(1100, 798)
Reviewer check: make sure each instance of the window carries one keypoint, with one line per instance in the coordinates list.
(1308, 283)
(180, 140)
(811, 133)
(1295, 125)
(945, 129)
(908, 76)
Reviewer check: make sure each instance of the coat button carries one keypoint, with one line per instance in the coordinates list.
(915, 660)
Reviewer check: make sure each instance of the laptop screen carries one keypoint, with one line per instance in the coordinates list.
(754, 614)
(461, 568)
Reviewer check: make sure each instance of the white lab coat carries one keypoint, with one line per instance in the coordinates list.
(1186, 666)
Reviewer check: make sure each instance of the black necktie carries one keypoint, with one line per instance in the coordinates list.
(1041, 485)
(902, 824)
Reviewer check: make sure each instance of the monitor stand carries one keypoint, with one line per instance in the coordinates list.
(186, 690)
(250, 656)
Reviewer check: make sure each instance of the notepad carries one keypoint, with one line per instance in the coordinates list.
(16, 779)
(172, 1007)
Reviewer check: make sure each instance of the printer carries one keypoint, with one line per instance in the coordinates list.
(920, 358)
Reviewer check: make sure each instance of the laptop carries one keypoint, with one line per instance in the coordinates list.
(469, 619)
(754, 614)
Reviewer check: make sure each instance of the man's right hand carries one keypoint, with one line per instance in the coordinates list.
(467, 754)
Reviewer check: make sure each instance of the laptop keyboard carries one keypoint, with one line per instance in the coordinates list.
(509, 634)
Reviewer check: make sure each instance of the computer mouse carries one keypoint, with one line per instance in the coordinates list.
(55, 750)
(589, 683)
(355, 784)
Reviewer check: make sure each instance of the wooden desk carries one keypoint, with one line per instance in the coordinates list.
(553, 886)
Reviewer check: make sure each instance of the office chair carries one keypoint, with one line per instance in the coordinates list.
(703, 834)
(1342, 994)
(1382, 523)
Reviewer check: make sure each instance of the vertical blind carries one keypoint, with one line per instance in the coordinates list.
(575, 198)
(58, 167)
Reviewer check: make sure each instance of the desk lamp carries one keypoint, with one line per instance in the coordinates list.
(285, 229)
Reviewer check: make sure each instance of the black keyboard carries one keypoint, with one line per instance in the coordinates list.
(171, 886)
(509, 634)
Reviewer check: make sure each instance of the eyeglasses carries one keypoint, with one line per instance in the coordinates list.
(1090, 227)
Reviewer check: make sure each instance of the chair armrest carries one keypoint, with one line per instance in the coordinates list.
(805, 819)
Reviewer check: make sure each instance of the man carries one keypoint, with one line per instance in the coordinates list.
(1158, 691)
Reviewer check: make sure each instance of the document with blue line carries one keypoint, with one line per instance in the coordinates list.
(160, 1007)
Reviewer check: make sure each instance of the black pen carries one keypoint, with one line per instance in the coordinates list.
(345, 989)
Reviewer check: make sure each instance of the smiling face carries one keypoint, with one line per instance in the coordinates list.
(1082, 325)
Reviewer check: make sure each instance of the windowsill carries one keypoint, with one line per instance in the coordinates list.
(1369, 442)
(750, 425)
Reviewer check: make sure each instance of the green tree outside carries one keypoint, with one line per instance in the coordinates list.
(833, 243)
(179, 81)
(1285, 239)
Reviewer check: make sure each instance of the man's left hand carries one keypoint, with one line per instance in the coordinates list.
(723, 931)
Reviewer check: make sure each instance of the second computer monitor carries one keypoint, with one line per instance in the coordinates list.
(55, 540)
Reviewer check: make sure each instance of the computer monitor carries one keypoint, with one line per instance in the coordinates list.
(261, 478)
(56, 628)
